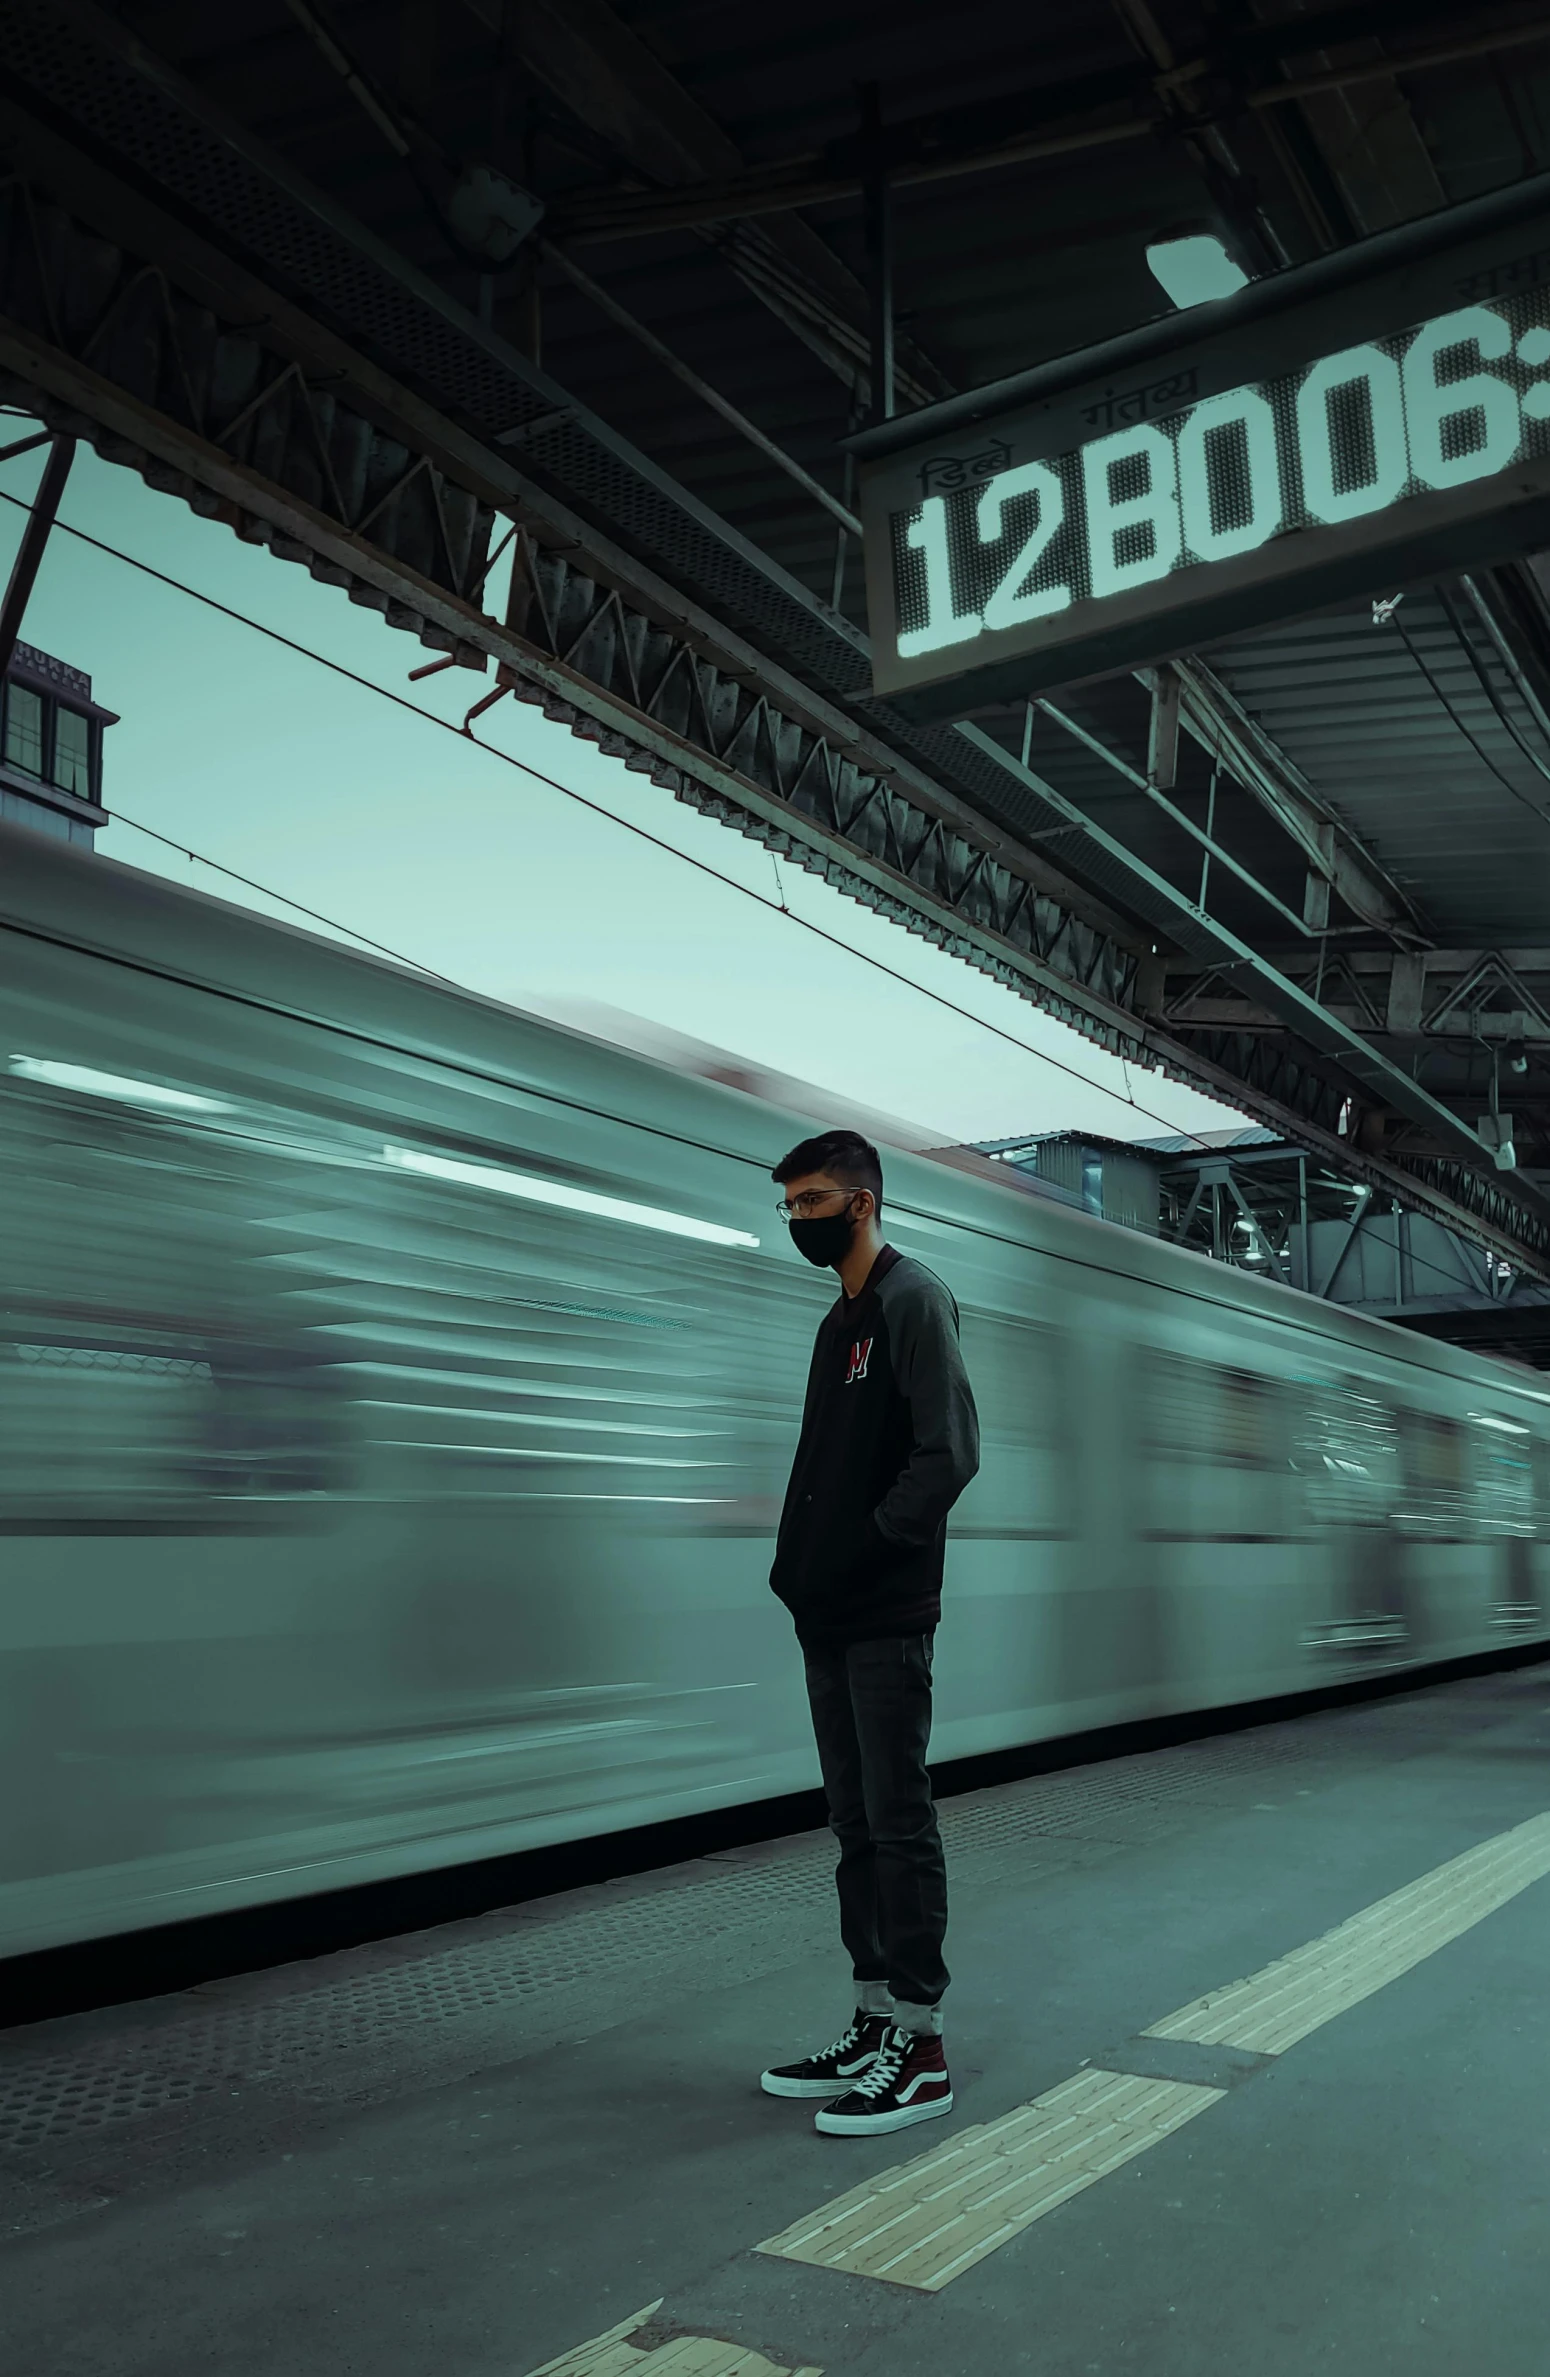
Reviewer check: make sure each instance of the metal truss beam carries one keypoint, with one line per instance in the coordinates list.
(1094, 111)
(615, 84)
(1320, 1030)
(1492, 995)
(123, 325)
(1272, 1076)
(1189, 108)
(286, 440)
(163, 316)
(1334, 856)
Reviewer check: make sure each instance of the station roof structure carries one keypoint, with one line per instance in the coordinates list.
(287, 259)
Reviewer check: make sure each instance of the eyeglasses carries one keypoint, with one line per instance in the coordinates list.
(802, 1208)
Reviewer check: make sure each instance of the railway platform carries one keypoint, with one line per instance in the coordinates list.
(1247, 2040)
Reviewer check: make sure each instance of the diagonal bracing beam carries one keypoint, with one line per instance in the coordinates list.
(1321, 1030)
(613, 82)
(29, 553)
(136, 330)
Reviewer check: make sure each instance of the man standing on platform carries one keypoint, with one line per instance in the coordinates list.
(889, 1441)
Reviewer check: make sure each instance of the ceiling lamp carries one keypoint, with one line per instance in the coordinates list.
(1193, 271)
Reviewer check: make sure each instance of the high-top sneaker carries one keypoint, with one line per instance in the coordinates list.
(908, 2082)
(852, 2054)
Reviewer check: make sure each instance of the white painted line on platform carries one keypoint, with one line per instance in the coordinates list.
(925, 2222)
(1275, 2007)
(614, 2355)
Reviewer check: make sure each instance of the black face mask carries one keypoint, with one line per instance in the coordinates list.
(825, 1241)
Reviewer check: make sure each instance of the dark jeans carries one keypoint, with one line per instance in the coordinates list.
(871, 1709)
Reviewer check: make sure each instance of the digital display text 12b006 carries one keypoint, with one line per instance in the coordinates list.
(1010, 568)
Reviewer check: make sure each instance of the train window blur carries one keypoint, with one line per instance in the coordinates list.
(1504, 1474)
(1347, 1450)
(1022, 1385)
(153, 1436)
(1249, 1420)
(1201, 1411)
(1541, 1470)
(1438, 1497)
(1214, 1446)
(495, 1480)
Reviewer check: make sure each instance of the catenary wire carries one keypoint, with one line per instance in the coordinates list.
(122, 817)
(1483, 756)
(1466, 645)
(525, 767)
(1417, 1261)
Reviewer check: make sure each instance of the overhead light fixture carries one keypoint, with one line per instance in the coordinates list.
(1496, 1134)
(537, 1191)
(1193, 271)
(92, 1084)
(1483, 1419)
(491, 215)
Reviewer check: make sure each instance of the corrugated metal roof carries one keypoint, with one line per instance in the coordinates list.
(1395, 727)
(1413, 741)
(995, 269)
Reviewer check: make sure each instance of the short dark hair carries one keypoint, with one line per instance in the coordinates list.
(844, 1155)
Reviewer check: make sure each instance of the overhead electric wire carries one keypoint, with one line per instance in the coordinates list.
(597, 808)
(1483, 756)
(122, 817)
(1461, 634)
(526, 768)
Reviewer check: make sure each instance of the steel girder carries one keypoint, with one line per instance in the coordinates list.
(1274, 1077)
(123, 325)
(1479, 995)
(1473, 1024)
(285, 433)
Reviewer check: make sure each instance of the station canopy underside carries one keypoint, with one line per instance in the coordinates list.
(251, 253)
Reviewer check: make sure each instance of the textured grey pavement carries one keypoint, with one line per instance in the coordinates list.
(465, 2151)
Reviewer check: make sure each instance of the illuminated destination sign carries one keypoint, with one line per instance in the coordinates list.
(1065, 525)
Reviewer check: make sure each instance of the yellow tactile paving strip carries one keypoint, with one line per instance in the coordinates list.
(926, 2222)
(614, 2355)
(1274, 2008)
(605, 2356)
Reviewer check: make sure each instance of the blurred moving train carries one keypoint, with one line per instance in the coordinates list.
(395, 1400)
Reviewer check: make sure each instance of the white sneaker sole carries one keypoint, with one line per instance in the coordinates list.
(776, 2084)
(873, 2125)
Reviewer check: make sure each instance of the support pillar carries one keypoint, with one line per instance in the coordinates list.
(877, 203)
(1302, 1220)
(1407, 991)
(29, 553)
(1315, 897)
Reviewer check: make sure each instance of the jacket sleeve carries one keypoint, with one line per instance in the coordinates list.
(929, 1372)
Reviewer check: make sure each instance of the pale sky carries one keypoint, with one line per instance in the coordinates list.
(319, 789)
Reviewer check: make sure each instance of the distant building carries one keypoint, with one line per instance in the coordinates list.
(1116, 1179)
(1251, 1199)
(51, 748)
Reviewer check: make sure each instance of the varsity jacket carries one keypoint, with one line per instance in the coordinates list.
(889, 1441)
